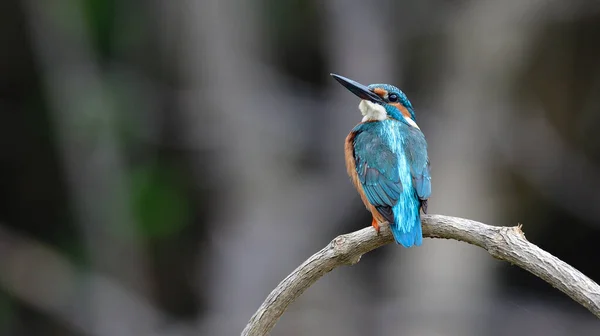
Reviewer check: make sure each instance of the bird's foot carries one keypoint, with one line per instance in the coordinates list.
(375, 225)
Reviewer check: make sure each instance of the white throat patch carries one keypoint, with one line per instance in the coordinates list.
(372, 111)
(376, 112)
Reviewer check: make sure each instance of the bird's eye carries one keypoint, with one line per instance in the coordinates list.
(393, 98)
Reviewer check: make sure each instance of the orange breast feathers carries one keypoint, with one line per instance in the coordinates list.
(351, 168)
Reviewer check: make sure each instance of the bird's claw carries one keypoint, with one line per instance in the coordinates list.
(375, 225)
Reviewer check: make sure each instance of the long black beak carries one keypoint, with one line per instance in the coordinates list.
(358, 89)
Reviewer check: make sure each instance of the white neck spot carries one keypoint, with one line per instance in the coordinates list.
(372, 111)
(411, 122)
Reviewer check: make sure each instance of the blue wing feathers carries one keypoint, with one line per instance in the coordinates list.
(385, 197)
(422, 181)
(416, 149)
(375, 165)
(372, 176)
(393, 192)
(372, 196)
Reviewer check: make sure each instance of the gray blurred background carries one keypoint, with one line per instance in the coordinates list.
(164, 164)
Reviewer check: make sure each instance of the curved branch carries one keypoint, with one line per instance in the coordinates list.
(504, 243)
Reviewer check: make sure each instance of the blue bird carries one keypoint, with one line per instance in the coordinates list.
(386, 158)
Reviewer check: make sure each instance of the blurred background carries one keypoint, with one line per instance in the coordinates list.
(164, 164)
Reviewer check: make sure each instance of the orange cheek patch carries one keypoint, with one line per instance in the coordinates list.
(402, 109)
(380, 92)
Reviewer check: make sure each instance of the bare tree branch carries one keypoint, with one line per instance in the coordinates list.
(504, 243)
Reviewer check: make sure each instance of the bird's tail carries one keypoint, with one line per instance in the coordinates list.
(407, 230)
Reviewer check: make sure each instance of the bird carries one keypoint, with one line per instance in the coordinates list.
(387, 161)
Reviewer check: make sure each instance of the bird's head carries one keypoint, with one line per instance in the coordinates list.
(380, 101)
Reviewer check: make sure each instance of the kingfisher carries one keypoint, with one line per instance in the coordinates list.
(386, 158)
